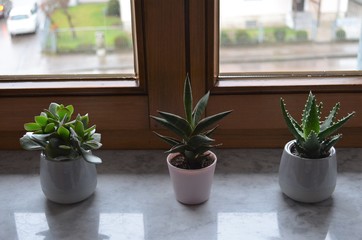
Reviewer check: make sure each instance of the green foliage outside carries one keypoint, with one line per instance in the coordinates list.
(269, 35)
(113, 8)
(301, 36)
(242, 37)
(88, 19)
(340, 35)
(225, 39)
(280, 34)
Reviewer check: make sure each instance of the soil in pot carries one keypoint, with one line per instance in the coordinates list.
(179, 162)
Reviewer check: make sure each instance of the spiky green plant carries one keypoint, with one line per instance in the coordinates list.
(314, 137)
(61, 138)
(194, 136)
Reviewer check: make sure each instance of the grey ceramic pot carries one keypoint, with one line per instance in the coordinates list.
(192, 186)
(307, 180)
(67, 181)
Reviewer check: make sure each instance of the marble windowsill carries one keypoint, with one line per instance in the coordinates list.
(134, 200)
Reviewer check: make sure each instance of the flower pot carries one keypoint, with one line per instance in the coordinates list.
(307, 180)
(67, 181)
(192, 186)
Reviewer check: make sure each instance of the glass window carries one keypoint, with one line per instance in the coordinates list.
(82, 37)
(290, 35)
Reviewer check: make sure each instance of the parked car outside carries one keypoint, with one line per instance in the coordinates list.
(23, 19)
(5, 7)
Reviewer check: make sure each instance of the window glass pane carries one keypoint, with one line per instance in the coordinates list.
(290, 35)
(66, 37)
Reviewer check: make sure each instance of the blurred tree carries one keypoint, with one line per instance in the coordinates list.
(49, 6)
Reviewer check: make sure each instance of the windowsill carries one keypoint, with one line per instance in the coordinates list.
(265, 83)
(23, 85)
(135, 186)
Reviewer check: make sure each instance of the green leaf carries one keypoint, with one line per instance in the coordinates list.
(200, 108)
(85, 120)
(208, 121)
(177, 122)
(89, 157)
(53, 109)
(329, 143)
(65, 147)
(79, 128)
(307, 107)
(210, 132)
(49, 128)
(170, 126)
(93, 145)
(311, 122)
(331, 117)
(32, 127)
(41, 120)
(63, 114)
(96, 137)
(28, 143)
(312, 146)
(201, 150)
(64, 133)
(70, 109)
(291, 123)
(171, 141)
(332, 129)
(296, 125)
(188, 100)
(199, 140)
(190, 156)
(90, 130)
(40, 138)
(179, 148)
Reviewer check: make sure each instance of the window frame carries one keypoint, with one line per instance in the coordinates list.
(86, 82)
(268, 82)
(163, 28)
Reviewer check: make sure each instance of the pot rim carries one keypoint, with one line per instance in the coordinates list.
(171, 155)
(42, 154)
(288, 145)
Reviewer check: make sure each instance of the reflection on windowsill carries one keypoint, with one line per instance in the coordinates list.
(109, 226)
(265, 225)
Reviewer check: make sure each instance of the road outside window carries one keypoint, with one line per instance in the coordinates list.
(290, 35)
(66, 37)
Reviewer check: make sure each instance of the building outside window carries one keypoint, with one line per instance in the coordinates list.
(289, 35)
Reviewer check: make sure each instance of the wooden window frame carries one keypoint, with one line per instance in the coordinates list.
(175, 37)
(269, 82)
(86, 84)
(255, 96)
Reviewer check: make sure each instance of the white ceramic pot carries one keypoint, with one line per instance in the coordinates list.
(192, 186)
(307, 180)
(67, 181)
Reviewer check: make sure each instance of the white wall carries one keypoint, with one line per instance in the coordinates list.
(126, 14)
(328, 6)
(232, 11)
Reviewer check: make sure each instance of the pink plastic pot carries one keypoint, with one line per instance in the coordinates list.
(192, 186)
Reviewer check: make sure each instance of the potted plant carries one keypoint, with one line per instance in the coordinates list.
(67, 165)
(190, 162)
(308, 168)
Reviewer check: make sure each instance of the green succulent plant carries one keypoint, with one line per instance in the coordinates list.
(61, 138)
(193, 132)
(314, 138)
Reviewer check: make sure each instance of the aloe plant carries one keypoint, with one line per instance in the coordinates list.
(314, 138)
(61, 138)
(193, 132)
